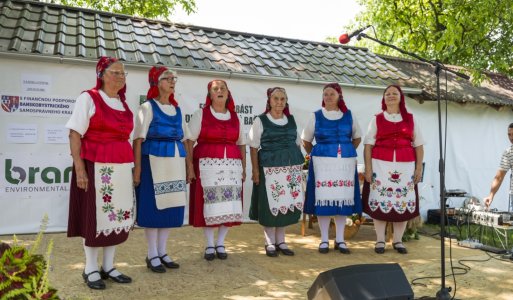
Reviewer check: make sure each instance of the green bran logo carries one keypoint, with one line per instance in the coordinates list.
(49, 175)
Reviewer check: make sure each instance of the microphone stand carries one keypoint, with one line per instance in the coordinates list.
(443, 293)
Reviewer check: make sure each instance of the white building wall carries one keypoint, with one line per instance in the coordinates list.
(477, 134)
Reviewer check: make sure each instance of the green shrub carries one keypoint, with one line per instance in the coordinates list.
(23, 273)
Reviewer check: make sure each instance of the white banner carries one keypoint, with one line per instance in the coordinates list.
(470, 166)
(31, 185)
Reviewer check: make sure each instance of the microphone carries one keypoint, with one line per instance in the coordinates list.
(345, 38)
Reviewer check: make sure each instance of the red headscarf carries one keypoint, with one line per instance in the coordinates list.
(153, 79)
(103, 64)
(402, 103)
(270, 92)
(341, 104)
(230, 104)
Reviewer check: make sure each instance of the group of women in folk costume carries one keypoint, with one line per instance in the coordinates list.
(210, 155)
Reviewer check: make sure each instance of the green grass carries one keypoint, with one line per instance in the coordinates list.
(484, 234)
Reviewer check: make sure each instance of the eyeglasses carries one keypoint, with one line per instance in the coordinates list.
(170, 79)
(221, 89)
(118, 73)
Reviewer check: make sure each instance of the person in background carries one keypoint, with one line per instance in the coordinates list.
(505, 165)
(393, 166)
(159, 172)
(276, 159)
(216, 168)
(101, 209)
(332, 187)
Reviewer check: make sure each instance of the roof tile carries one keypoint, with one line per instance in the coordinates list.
(29, 27)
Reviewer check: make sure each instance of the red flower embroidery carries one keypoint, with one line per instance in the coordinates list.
(107, 198)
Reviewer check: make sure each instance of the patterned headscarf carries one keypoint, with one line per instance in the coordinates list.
(341, 104)
(402, 103)
(154, 76)
(103, 64)
(270, 92)
(230, 104)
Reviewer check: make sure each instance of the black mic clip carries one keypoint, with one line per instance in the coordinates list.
(358, 32)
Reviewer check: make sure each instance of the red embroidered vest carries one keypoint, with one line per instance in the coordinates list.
(394, 137)
(106, 139)
(216, 135)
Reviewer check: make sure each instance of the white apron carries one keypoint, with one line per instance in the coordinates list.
(221, 179)
(169, 184)
(114, 198)
(284, 187)
(392, 187)
(334, 180)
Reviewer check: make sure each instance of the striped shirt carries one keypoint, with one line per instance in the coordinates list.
(507, 164)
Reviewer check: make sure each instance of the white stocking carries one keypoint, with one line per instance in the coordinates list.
(270, 237)
(380, 227)
(163, 234)
(91, 263)
(280, 237)
(108, 260)
(324, 226)
(209, 235)
(221, 235)
(151, 239)
(399, 228)
(340, 223)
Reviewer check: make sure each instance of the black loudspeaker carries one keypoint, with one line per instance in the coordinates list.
(369, 282)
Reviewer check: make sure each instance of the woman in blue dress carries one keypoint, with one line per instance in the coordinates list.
(332, 185)
(159, 173)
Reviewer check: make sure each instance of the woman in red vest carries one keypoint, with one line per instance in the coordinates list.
(217, 167)
(393, 167)
(101, 207)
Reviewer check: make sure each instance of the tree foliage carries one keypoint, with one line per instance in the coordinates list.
(477, 34)
(153, 9)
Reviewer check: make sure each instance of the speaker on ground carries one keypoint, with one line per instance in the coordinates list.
(368, 281)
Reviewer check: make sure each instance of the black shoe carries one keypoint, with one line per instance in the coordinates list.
(209, 256)
(119, 279)
(95, 285)
(158, 268)
(342, 250)
(379, 250)
(270, 253)
(402, 249)
(221, 255)
(285, 251)
(170, 265)
(325, 249)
